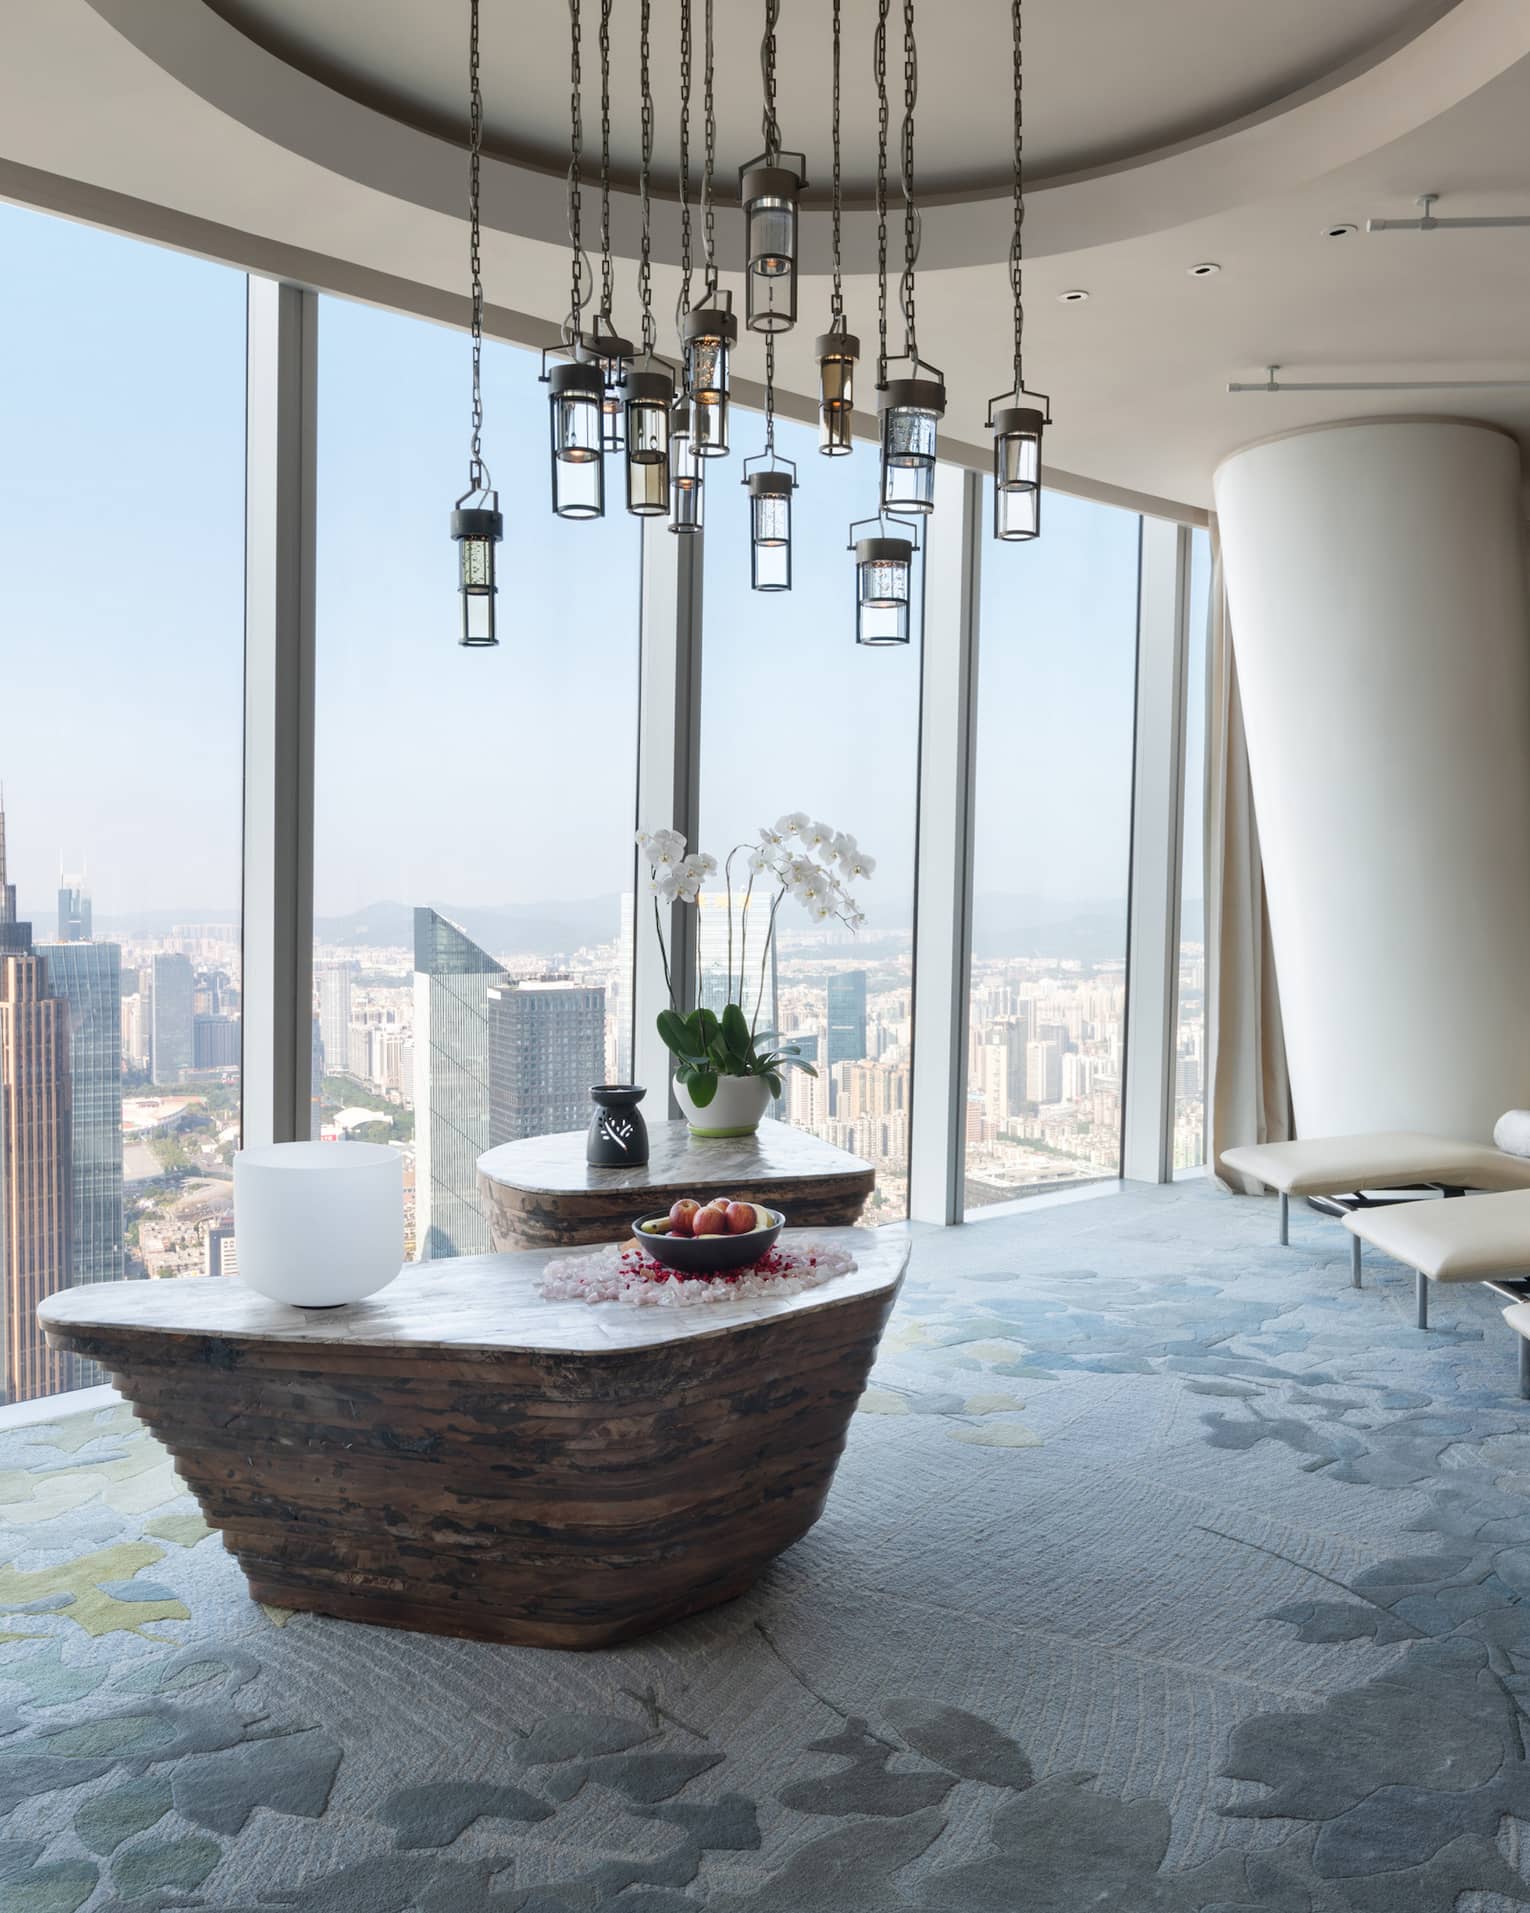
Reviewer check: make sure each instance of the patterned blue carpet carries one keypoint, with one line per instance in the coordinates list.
(1164, 1574)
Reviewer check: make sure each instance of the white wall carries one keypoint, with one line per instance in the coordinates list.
(1377, 589)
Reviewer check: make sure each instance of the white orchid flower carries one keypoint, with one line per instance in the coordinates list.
(843, 844)
(793, 824)
(818, 836)
(702, 862)
(772, 836)
(761, 863)
(663, 887)
(859, 865)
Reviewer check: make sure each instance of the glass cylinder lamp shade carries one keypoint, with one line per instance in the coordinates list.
(837, 352)
(476, 534)
(770, 195)
(709, 335)
(884, 589)
(1017, 471)
(575, 394)
(770, 530)
(319, 1224)
(687, 471)
(649, 398)
(911, 411)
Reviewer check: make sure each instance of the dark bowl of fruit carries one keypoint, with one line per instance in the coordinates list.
(712, 1238)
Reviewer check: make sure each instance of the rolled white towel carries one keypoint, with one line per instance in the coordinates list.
(1511, 1133)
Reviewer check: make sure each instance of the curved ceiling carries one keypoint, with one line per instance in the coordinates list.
(167, 118)
(1105, 84)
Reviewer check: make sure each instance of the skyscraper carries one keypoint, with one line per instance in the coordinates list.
(88, 976)
(452, 977)
(335, 1016)
(546, 1048)
(847, 1017)
(73, 910)
(172, 1041)
(34, 1152)
(1043, 1072)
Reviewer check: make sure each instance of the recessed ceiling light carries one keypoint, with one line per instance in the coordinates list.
(1074, 298)
(1204, 270)
(1341, 231)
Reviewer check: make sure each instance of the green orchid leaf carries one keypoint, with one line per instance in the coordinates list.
(673, 1033)
(701, 1088)
(735, 1030)
(775, 1084)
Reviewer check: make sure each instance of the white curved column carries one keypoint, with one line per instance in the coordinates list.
(1377, 589)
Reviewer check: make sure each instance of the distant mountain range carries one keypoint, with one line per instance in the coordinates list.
(1003, 925)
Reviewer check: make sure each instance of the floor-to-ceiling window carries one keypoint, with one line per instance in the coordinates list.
(1190, 1033)
(474, 859)
(796, 717)
(121, 707)
(1052, 847)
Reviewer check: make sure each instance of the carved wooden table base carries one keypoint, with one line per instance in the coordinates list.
(459, 1457)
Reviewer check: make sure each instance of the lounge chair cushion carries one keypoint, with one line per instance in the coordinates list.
(1333, 1165)
(1457, 1239)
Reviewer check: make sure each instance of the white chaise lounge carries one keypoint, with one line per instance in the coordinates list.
(1481, 1239)
(1400, 1159)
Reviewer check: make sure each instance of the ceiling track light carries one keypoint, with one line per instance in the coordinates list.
(476, 528)
(1271, 384)
(1426, 222)
(1017, 418)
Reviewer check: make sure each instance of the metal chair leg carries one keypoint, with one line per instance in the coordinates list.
(1421, 1294)
(1524, 1366)
(1285, 1221)
(1354, 1260)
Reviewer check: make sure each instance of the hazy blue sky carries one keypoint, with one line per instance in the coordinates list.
(463, 776)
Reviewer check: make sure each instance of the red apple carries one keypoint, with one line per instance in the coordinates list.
(710, 1221)
(741, 1218)
(682, 1217)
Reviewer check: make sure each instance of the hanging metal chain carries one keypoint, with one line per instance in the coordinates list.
(684, 304)
(645, 251)
(769, 125)
(837, 296)
(575, 160)
(607, 286)
(1017, 242)
(708, 210)
(911, 224)
(879, 68)
(770, 395)
(478, 474)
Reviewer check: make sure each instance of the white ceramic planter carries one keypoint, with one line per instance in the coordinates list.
(318, 1224)
(735, 1110)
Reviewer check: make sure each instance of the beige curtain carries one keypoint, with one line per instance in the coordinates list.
(1248, 1090)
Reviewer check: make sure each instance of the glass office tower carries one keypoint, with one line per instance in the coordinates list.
(452, 977)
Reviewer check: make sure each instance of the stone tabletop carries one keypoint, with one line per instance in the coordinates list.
(542, 1194)
(481, 1302)
(555, 1165)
